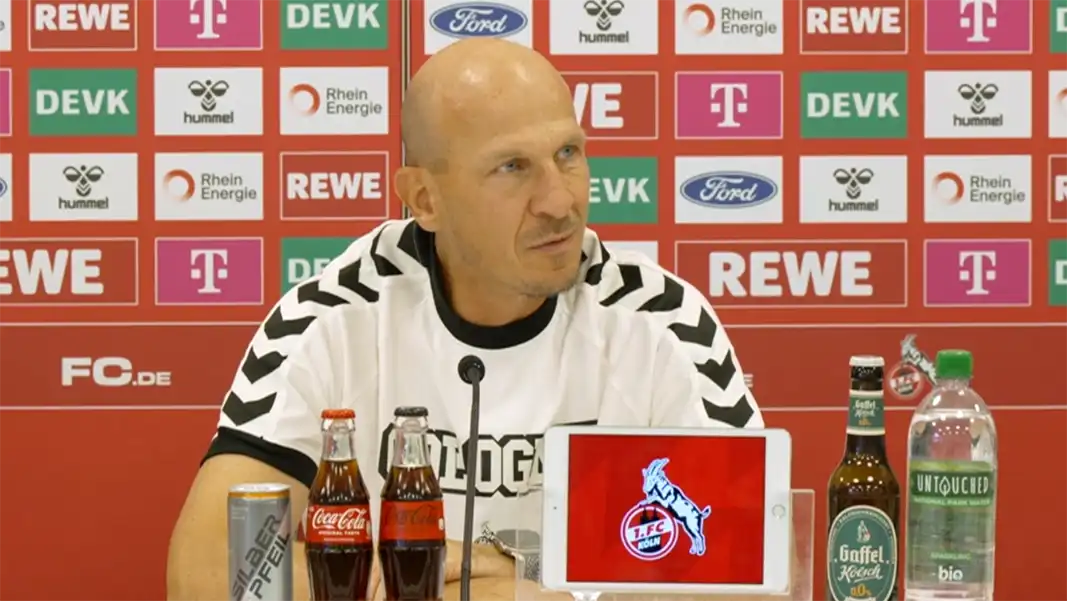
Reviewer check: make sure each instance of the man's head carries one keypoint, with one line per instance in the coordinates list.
(496, 165)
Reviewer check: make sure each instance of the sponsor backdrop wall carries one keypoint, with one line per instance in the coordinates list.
(838, 176)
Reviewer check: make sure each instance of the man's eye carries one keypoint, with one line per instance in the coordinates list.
(567, 152)
(509, 167)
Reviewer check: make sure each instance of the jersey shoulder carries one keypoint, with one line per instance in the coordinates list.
(356, 279)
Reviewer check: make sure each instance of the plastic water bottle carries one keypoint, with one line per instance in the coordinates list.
(952, 478)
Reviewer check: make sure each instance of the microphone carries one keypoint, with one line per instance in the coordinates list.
(471, 371)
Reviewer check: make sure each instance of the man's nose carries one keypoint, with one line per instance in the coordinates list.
(552, 198)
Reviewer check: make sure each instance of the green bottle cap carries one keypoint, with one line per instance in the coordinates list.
(954, 364)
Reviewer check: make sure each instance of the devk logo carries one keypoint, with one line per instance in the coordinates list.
(650, 529)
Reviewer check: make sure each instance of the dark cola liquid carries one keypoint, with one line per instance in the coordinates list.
(411, 550)
(339, 571)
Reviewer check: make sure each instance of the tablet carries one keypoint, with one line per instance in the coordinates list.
(699, 511)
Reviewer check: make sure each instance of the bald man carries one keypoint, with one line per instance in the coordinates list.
(497, 261)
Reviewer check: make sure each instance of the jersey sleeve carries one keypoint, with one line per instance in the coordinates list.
(699, 378)
(272, 411)
(691, 376)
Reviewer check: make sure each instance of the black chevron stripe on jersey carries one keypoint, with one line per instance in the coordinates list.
(383, 266)
(703, 333)
(256, 367)
(631, 281)
(719, 373)
(277, 326)
(668, 300)
(309, 292)
(241, 412)
(596, 272)
(348, 278)
(737, 415)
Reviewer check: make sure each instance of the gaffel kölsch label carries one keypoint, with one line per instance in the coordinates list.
(866, 413)
(862, 550)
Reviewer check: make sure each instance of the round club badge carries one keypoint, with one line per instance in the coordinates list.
(648, 532)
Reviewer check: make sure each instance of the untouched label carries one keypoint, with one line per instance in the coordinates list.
(862, 555)
(866, 413)
(337, 524)
(951, 521)
(412, 520)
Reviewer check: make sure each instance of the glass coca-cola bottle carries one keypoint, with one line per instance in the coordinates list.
(337, 525)
(411, 533)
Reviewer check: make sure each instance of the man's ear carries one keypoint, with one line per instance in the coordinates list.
(415, 188)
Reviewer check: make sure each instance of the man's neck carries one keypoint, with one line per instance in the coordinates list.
(478, 301)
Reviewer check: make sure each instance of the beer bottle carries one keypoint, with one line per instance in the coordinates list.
(864, 498)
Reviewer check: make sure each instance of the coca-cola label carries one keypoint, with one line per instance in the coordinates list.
(412, 520)
(337, 524)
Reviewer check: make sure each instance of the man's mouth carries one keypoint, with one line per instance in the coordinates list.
(554, 243)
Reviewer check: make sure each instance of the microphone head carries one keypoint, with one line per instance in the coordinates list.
(471, 368)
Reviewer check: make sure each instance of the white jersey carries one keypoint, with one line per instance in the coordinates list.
(629, 345)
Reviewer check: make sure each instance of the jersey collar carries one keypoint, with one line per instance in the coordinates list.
(478, 336)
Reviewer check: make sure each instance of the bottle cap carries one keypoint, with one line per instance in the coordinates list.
(866, 361)
(954, 364)
(411, 412)
(338, 414)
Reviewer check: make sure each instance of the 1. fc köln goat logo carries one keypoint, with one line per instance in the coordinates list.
(651, 528)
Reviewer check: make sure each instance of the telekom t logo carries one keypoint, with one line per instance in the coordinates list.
(976, 273)
(734, 97)
(979, 19)
(207, 17)
(214, 268)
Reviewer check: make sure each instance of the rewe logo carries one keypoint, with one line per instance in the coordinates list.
(977, 104)
(335, 24)
(977, 189)
(965, 26)
(728, 105)
(853, 189)
(312, 102)
(854, 104)
(962, 273)
(209, 187)
(303, 258)
(623, 190)
(83, 102)
(335, 185)
(790, 273)
(854, 27)
(109, 372)
(616, 106)
(209, 101)
(209, 24)
(203, 271)
(83, 25)
(68, 272)
(83, 187)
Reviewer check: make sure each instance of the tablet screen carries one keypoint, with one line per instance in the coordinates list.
(665, 509)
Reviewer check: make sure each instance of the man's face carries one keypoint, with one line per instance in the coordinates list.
(516, 193)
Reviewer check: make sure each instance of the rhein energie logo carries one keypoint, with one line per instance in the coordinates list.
(651, 528)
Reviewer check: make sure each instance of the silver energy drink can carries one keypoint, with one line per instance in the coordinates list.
(261, 553)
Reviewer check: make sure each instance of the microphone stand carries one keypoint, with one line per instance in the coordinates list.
(471, 371)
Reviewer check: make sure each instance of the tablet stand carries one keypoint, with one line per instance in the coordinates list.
(527, 573)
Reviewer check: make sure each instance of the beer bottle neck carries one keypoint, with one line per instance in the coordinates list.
(866, 422)
(338, 440)
(410, 448)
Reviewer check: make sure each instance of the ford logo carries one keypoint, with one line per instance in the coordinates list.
(729, 189)
(478, 20)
